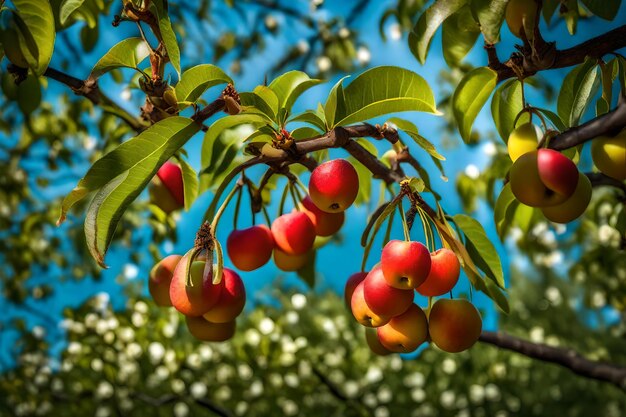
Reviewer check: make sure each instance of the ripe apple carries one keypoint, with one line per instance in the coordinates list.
(444, 273)
(206, 331)
(404, 333)
(290, 263)
(609, 155)
(383, 299)
(362, 312)
(520, 14)
(326, 224)
(250, 248)
(294, 233)
(160, 279)
(231, 301)
(354, 280)
(543, 178)
(522, 140)
(573, 207)
(200, 295)
(167, 189)
(334, 185)
(454, 325)
(371, 336)
(405, 265)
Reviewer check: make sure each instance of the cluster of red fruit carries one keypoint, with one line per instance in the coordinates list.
(333, 187)
(383, 299)
(210, 309)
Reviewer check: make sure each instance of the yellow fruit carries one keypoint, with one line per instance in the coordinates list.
(609, 155)
(521, 14)
(574, 206)
(522, 140)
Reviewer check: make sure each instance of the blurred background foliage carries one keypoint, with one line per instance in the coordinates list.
(293, 354)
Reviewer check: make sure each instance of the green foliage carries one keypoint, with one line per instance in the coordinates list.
(470, 96)
(36, 32)
(579, 87)
(129, 53)
(377, 92)
(196, 80)
(428, 23)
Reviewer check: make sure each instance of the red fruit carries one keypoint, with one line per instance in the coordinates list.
(354, 280)
(444, 273)
(231, 301)
(206, 331)
(557, 171)
(289, 263)
(334, 185)
(171, 176)
(362, 312)
(543, 178)
(371, 336)
(198, 297)
(160, 279)
(326, 224)
(293, 233)
(383, 299)
(405, 265)
(404, 333)
(454, 325)
(250, 248)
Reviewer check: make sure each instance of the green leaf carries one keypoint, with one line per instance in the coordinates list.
(29, 94)
(196, 80)
(490, 15)
(304, 133)
(364, 174)
(264, 100)
(311, 117)
(411, 130)
(488, 259)
(36, 32)
(167, 33)
(381, 91)
(334, 103)
(553, 117)
(498, 297)
(505, 200)
(579, 87)
(470, 96)
(190, 183)
(459, 35)
(505, 106)
(67, 8)
(102, 218)
(141, 156)
(290, 85)
(549, 7)
(606, 9)
(126, 54)
(307, 272)
(428, 23)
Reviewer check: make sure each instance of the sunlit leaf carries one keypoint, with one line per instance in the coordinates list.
(36, 32)
(126, 54)
(470, 96)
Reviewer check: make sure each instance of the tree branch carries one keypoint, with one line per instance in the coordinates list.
(90, 90)
(594, 48)
(567, 358)
(608, 124)
(598, 179)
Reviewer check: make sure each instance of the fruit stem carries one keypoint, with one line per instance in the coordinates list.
(405, 226)
(237, 206)
(281, 205)
(294, 197)
(220, 211)
(267, 216)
